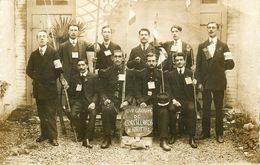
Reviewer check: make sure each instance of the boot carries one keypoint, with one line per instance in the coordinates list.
(192, 142)
(106, 143)
(172, 139)
(164, 145)
(87, 144)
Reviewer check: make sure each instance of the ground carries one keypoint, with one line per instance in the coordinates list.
(18, 146)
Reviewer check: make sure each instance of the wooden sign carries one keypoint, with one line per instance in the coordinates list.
(138, 122)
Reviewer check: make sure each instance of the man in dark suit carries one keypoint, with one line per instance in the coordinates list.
(180, 88)
(83, 98)
(148, 85)
(213, 59)
(111, 82)
(176, 46)
(104, 56)
(44, 73)
(72, 50)
(137, 58)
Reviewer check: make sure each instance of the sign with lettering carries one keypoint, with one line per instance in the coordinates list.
(138, 122)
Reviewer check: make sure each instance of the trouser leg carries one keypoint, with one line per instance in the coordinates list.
(218, 97)
(207, 99)
(163, 121)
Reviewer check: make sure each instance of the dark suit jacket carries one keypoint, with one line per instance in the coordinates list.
(174, 87)
(168, 63)
(211, 72)
(142, 78)
(104, 61)
(138, 52)
(109, 84)
(43, 73)
(89, 87)
(66, 57)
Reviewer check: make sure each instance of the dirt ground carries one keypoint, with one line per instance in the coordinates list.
(18, 146)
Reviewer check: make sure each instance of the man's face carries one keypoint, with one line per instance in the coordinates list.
(82, 66)
(151, 62)
(179, 61)
(144, 37)
(175, 33)
(212, 29)
(73, 32)
(118, 58)
(107, 32)
(42, 38)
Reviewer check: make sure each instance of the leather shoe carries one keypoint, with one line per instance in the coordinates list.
(172, 140)
(54, 142)
(192, 142)
(164, 145)
(40, 139)
(106, 143)
(203, 136)
(220, 139)
(87, 144)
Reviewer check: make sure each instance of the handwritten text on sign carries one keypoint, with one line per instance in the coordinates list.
(138, 121)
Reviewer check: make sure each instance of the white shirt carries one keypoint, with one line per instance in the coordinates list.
(84, 74)
(144, 46)
(73, 42)
(177, 46)
(181, 69)
(43, 49)
(212, 46)
(106, 44)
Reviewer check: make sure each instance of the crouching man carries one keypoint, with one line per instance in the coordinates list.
(83, 97)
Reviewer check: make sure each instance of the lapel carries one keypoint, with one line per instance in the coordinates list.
(80, 47)
(217, 50)
(184, 45)
(141, 52)
(176, 77)
(67, 50)
(46, 57)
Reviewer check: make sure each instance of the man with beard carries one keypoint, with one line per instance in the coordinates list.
(83, 98)
(104, 56)
(111, 81)
(137, 59)
(213, 59)
(180, 88)
(176, 46)
(148, 85)
(43, 69)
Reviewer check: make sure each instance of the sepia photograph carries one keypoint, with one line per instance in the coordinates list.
(129, 82)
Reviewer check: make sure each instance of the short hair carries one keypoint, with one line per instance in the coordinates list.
(213, 22)
(118, 51)
(106, 26)
(144, 29)
(73, 24)
(176, 27)
(82, 59)
(180, 54)
(42, 30)
(151, 54)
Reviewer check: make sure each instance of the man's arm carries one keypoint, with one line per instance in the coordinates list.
(30, 68)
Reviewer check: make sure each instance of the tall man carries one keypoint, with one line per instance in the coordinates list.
(176, 46)
(104, 56)
(180, 89)
(44, 73)
(213, 59)
(137, 59)
(72, 50)
(148, 84)
(83, 97)
(111, 85)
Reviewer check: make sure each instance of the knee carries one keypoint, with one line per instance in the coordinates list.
(190, 107)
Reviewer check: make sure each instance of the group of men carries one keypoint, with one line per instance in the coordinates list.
(141, 81)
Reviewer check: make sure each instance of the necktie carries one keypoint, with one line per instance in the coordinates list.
(143, 47)
(74, 43)
(41, 51)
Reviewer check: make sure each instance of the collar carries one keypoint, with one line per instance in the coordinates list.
(84, 74)
(106, 43)
(145, 45)
(177, 41)
(44, 48)
(73, 40)
(214, 39)
(182, 70)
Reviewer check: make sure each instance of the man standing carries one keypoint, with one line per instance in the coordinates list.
(111, 85)
(180, 88)
(83, 98)
(137, 59)
(72, 50)
(148, 84)
(104, 56)
(44, 73)
(213, 59)
(176, 46)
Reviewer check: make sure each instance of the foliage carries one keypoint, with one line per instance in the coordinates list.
(3, 88)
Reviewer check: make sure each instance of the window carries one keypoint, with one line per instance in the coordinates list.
(209, 1)
(51, 2)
